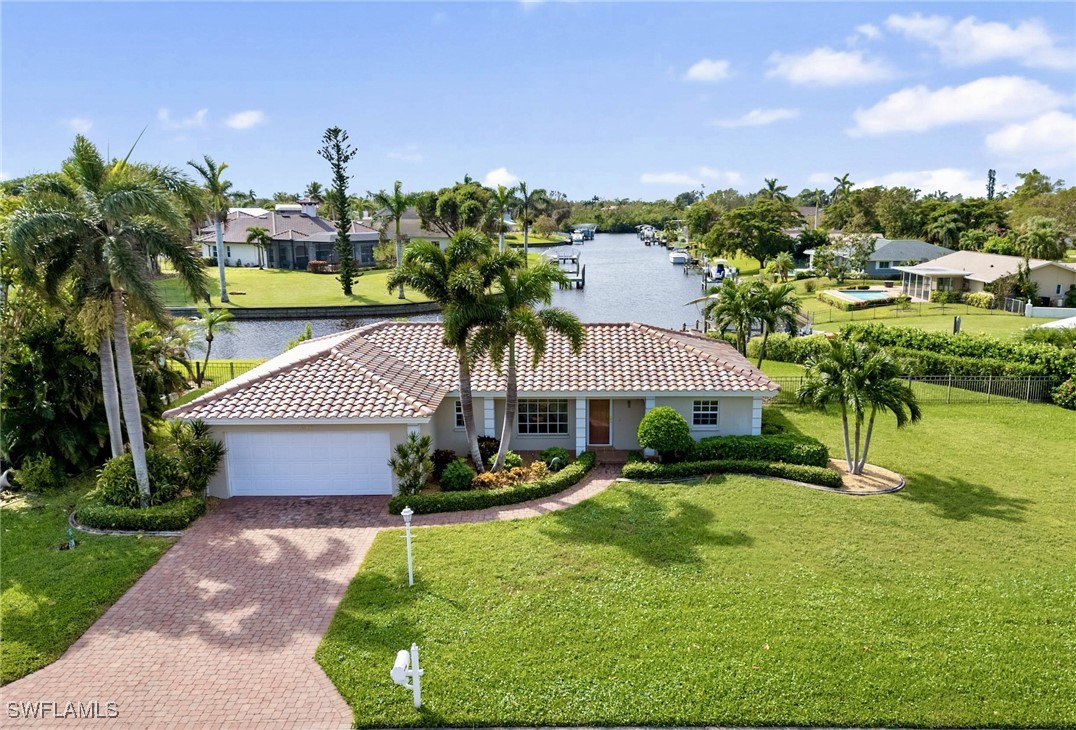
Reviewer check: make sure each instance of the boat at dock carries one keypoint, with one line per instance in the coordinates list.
(679, 256)
(578, 238)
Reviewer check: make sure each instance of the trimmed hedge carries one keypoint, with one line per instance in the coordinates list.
(92, 510)
(922, 362)
(980, 300)
(425, 504)
(847, 306)
(782, 348)
(796, 472)
(785, 448)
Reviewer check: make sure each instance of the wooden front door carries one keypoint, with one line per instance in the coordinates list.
(598, 430)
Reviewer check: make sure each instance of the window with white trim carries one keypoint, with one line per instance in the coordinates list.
(541, 416)
(705, 413)
(459, 414)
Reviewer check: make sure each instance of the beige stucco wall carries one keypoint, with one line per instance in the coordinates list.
(1048, 278)
(626, 416)
(735, 415)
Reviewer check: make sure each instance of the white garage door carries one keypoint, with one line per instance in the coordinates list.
(281, 462)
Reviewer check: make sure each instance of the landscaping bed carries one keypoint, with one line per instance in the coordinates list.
(92, 511)
(645, 470)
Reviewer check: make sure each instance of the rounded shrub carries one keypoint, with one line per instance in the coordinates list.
(458, 476)
(555, 458)
(512, 460)
(39, 474)
(118, 484)
(1065, 394)
(665, 431)
(93, 511)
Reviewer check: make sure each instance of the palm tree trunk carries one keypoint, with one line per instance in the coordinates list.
(219, 230)
(511, 402)
(504, 212)
(526, 231)
(132, 414)
(111, 395)
(847, 445)
(855, 457)
(467, 406)
(399, 255)
(866, 442)
(762, 349)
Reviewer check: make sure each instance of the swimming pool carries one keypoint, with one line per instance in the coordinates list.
(865, 296)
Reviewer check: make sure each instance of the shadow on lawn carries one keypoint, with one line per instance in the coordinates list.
(957, 499)
(646, 528)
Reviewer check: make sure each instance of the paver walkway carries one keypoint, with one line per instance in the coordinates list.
(221, 632)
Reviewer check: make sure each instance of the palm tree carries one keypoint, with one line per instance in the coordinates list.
(782, 265)
(316, 192)
(259, 237)
(520, 294)
(773, 191)
(858, 378)
(393, 206)
(211, 322)
(216, 193)
(459, 279)
(528, 204)
(91, 226)
(503, 200)
(732, 305)
(945, 230)
(774, 306)
(1042, 238)
(844, 187)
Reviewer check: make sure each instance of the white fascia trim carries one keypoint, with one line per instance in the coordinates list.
(622, 395)
(314, 421)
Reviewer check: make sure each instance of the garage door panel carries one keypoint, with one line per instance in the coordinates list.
(308, 462)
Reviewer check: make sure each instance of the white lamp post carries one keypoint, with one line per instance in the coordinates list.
(407, 514)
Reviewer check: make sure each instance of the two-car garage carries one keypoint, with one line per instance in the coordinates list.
(304, 461)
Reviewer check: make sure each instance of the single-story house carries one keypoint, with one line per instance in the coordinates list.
(889, 254)
(324, 417)
(972, 271)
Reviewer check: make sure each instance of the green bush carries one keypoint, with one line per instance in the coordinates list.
(488, 446)
(555, 458)
(796, 472)
(923, 362)
(411, 463)
(441, 458)
(1070, 296)
(940, 296)
(665, 431)
(783, 348)
(458, 476)
(1065, 394)
(93, 511)
(482, 498)
(118, 484)
(785, 448)
(199, 453)
(40, 474)
(980, 300)
(512, 460)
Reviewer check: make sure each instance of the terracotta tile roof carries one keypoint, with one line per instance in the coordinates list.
(401, 370)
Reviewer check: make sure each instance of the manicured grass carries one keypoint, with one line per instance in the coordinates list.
(49, 597)
(516, 239)
(781, 369)
(927, 316)
(749, 602)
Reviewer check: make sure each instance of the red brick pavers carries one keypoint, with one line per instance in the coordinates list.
(221, 632)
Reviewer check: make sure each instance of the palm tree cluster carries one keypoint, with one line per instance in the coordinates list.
(490, 303)
(740, 306)
(87, 234)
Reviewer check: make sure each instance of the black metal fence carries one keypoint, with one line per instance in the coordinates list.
(221, 371)
(911, 310)
(956, 389)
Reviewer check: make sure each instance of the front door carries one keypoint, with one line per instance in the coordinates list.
(598, 430)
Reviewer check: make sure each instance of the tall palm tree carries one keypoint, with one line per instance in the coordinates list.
(859, 379)
(843, 188)
(773, 191)
(520, 294)
(504, 199)
(393, 206)
(212, 322)
(732, 305)
(459, 279)
(259, 237)
(774, 306)
(216, 194)
(945, 230)
(782, 265)
(91, 226)
(529, 203)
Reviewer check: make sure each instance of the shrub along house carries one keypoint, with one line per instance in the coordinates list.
(323, 417)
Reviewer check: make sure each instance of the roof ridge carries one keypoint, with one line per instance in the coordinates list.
(385, 357)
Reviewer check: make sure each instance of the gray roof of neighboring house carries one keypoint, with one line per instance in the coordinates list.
(978, 266)
(906, 250)
(284, 226)
(410, 226)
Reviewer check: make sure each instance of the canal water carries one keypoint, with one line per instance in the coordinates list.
(625, 282)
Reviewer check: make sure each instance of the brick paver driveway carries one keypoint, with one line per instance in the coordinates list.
(221, 632)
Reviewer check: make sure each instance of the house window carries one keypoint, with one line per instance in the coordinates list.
(459, 415)
(228, 249)
(543, 417)
(366, 254)
(704, 413)
(883, 265)
(1057, 289)
(212, 252)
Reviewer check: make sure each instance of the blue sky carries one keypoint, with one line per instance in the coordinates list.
(611, 99)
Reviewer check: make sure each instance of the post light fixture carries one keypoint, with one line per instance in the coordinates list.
(407, 514)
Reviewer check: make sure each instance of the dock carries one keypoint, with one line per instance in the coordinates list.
(576, 273)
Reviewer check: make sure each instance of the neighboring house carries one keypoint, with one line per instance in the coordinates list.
(888, 255)
(410, 228)
(299, 236)
(323, 418)
(972, 271)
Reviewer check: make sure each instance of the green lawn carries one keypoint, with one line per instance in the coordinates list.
(927, 316)
(49, 597)
(746, 601)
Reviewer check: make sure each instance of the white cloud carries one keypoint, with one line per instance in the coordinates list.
(869, 31)
(499, 176)
(409, 153)
(820, 178)
(79, 125)
(917, 109)
(708, 70)
(4, 175)
(195, 120)
(699, 176)
(245, 120)
(948, 179)
(971, 41)
(1050, 138)
(757, 118)
(827, 67)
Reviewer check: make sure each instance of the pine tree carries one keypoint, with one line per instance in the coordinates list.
(338, 153)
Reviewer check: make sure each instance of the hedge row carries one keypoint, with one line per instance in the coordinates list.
(784, 448)
(920, 362)
(847, 306)
(425, 504)
(796, 472)
(783, 348)
(92, 511)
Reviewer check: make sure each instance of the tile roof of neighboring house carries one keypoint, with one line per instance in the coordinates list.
(899, 250)
(978, 266)
(401, 370)
(283, 226)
